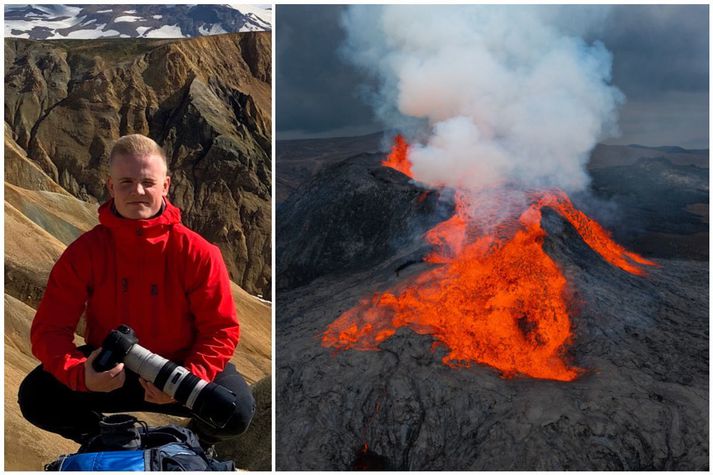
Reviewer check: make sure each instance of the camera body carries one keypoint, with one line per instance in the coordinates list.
(115, 348)
(210, 402)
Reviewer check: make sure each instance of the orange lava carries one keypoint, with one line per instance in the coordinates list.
(496, 299)
(398, 158)
(594, 235)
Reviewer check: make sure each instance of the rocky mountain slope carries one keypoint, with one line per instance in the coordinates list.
(54, 22)
(60, 121)
(205, 100)
(641, 404)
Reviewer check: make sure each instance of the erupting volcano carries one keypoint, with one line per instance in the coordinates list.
(494, 297)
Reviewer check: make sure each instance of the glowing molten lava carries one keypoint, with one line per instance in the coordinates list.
(496, 299)
(398, 158)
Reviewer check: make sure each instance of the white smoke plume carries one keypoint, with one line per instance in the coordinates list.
(510, 94)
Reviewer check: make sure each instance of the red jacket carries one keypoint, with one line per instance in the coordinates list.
(157, 276)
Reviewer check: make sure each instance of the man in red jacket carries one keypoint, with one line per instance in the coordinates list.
(140, 267)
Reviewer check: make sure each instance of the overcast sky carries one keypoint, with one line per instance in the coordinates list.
(660, 64)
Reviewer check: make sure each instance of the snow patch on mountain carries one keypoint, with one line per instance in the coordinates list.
(166, 31)
(127, 19)
(214, 30)
(87, 34)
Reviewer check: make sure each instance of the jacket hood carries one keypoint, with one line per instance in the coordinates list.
(170, 216)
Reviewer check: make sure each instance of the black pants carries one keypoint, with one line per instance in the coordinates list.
(52, 406)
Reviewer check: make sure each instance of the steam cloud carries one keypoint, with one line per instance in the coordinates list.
(511, 95)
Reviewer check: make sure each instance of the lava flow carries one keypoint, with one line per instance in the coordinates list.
(398, 158)
(496, 298)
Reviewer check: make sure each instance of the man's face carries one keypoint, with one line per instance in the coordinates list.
(138, 185)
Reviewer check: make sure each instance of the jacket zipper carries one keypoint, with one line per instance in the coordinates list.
(154, 311)
(124, 317)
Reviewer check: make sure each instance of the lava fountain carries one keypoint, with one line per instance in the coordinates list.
(495, 298)
(398, 157)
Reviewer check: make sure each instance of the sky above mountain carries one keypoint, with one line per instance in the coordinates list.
(660, 63)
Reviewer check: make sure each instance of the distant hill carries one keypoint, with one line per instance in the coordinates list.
(52, 22)
(621, 155)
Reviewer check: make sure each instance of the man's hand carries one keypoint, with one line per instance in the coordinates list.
(154, 394)
(106, 381)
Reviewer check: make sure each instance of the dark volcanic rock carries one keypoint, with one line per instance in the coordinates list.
(641, 404)
(301, 159)
(207, 101)
(652, 194)
(349, 217)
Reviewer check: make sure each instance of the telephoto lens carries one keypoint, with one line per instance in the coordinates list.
(210, 402)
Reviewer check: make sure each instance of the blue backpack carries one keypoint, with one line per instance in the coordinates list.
(127, 445)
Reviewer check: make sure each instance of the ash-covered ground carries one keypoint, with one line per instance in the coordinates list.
(352, 229)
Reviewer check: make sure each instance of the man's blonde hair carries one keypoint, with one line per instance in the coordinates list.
(138, 145)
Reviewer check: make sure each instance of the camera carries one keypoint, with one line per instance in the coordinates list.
(210, 402)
